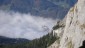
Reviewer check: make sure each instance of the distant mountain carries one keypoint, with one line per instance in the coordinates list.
(45, 8)
(6, 40)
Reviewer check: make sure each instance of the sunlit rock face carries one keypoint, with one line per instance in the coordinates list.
(74, 32)
(58, 31)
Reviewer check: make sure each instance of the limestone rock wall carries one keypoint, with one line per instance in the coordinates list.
(74, 31)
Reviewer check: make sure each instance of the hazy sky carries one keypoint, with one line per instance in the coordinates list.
(17, 25)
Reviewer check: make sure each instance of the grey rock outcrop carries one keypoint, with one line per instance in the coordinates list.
(74, 31)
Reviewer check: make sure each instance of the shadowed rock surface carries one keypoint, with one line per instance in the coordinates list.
(83, 44)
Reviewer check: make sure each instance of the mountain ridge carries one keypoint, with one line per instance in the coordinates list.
(44, 8)
(6, 40)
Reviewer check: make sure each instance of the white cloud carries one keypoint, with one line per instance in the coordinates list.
(17, 25)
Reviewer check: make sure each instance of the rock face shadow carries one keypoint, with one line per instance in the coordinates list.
(83, 45)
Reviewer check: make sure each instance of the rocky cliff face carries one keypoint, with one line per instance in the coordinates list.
(74, 31)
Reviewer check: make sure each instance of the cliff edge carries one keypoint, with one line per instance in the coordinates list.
(74, 30)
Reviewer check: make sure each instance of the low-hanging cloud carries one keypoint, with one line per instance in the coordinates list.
(17, 25)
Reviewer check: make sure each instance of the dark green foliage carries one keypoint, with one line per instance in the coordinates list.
(56, 27)
(42, 42)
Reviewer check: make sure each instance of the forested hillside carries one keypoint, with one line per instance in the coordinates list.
(42, 42)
